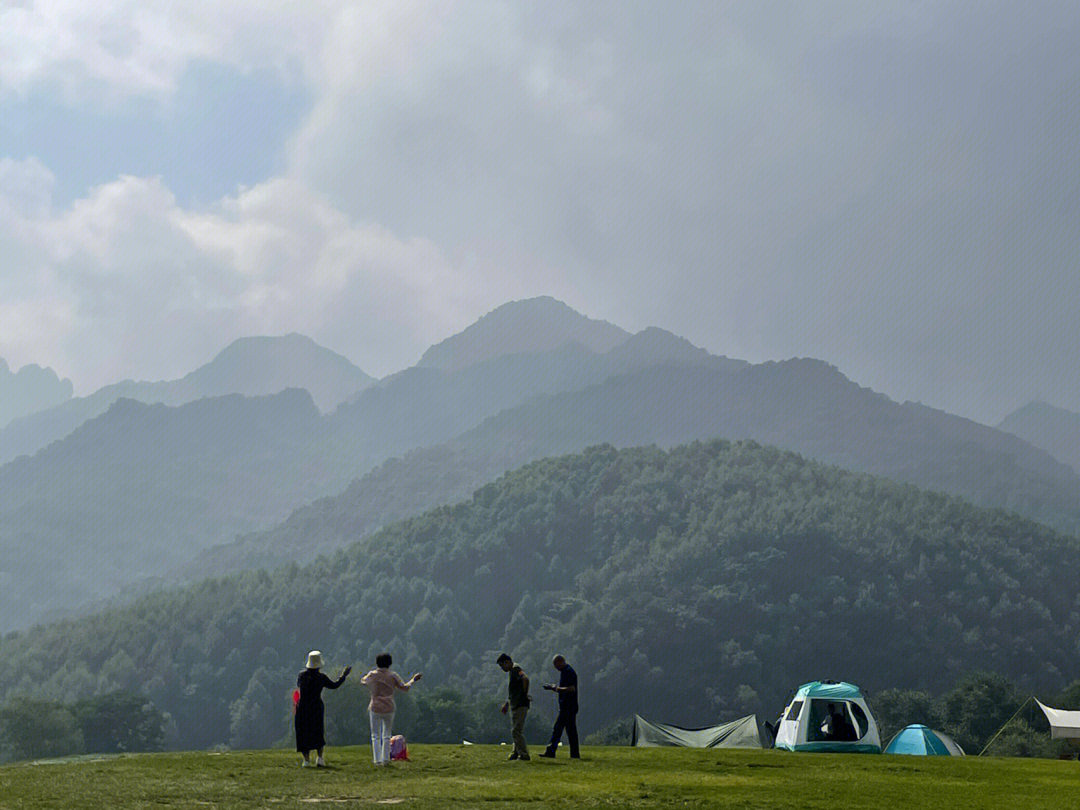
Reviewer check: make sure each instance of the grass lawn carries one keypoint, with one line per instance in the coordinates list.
(479, 776)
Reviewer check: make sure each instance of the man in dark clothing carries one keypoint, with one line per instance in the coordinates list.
(566, 689)
(517, 703)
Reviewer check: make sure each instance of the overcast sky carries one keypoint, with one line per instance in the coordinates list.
(892, 188)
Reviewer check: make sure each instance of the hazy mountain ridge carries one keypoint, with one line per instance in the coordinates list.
(32, 388)
(755, 568)
(803, 405)
(1055, 430)
(255, 366)
(186, 478)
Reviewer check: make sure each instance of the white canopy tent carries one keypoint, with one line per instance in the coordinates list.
(1064, 725)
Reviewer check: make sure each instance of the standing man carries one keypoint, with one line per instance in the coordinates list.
(517, 703)
(568, 706)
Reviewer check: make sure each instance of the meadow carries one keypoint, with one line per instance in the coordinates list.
(449, 776)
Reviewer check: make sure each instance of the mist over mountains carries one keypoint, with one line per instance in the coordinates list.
(158, 493)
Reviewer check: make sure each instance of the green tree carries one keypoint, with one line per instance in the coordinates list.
(120, 721)
(33, 729)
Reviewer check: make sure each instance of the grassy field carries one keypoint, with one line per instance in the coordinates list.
(444, 776)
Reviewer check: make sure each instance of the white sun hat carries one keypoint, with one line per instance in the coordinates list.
(314, 659)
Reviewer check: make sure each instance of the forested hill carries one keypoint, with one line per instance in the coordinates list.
(802, 405)
(688, 584)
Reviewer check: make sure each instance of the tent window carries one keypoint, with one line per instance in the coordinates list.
(793, 712)
(836, 721)
(862, 725)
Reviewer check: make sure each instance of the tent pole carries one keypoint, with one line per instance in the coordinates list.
(1022, 705)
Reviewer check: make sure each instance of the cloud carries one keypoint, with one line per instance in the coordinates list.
(113, 49)
(890, 187)
(127, 283)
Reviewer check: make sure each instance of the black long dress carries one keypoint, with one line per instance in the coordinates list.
(309, 709)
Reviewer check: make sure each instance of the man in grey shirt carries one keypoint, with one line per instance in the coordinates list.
(517, 703)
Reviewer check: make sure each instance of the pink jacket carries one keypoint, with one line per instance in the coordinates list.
(382, 683)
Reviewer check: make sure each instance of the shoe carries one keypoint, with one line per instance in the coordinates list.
(548, 755)
(524, 757)
(320, 763)
(575, 756)
(513, 756)
(305, 764)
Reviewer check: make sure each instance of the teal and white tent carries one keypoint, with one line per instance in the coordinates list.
(828, 716)
(742, 733)
(921, 741)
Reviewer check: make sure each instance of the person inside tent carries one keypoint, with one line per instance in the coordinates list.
(837, 726)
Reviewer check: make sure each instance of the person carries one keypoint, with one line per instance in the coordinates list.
(837, 726)
(308, 722)
(382, 683)
(567, 691)
(517, 703)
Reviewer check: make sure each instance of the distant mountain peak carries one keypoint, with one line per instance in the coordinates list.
(32, 388)
(530, 325)
(260, 365)
(1048, 427)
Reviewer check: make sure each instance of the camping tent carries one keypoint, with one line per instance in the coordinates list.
(742, 733)
(919, 740)
(828, 716)
(1063, 724)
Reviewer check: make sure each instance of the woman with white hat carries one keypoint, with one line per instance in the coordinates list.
(309, 708)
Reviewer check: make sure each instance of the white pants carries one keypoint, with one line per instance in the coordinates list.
(380, 736)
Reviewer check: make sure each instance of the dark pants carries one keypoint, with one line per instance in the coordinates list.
(567, 720)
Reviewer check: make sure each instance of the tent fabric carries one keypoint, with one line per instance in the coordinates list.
(919, 740)
(742, 733)
(1063, 724)
(841, 690)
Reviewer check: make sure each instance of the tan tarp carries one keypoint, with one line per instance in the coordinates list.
(741, 733)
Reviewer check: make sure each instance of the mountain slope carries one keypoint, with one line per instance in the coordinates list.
(255, 366)
(738, 569)
(522, 327)
(801, 405)
(143, 488)
(1055, 430)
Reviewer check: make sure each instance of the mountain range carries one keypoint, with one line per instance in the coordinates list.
(159, 494)
(255, 366)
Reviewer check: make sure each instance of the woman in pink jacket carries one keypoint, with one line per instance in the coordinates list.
(382, 683)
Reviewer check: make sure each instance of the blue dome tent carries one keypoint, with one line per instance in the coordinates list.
(919, 740)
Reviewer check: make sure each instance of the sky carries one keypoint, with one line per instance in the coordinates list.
(891, 187)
